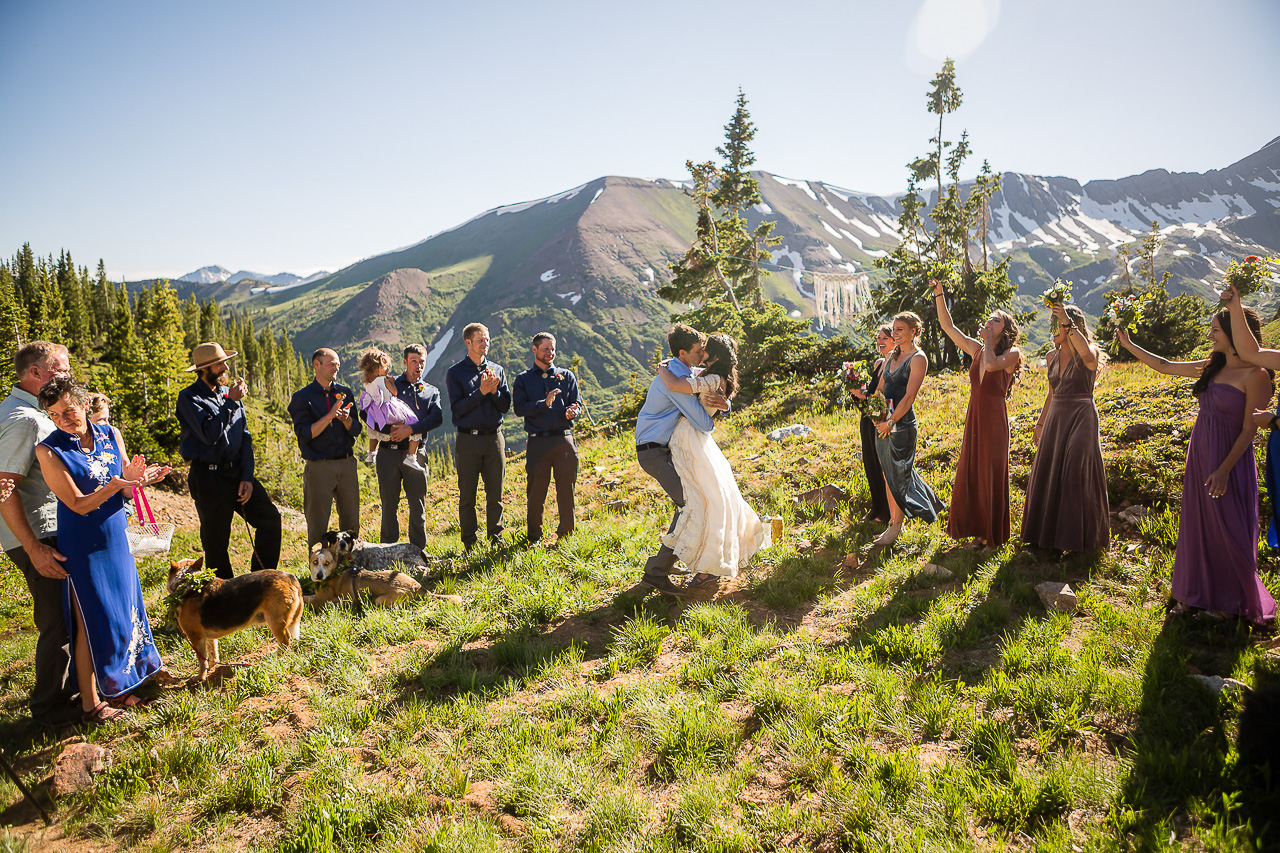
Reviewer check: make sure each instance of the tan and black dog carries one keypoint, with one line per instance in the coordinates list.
(343, 567)
(222, 607)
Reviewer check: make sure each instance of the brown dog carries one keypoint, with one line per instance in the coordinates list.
(223, 607)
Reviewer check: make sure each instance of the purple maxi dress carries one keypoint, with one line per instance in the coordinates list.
(1215, 566)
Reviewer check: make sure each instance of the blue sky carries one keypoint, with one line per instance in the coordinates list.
(274, 136)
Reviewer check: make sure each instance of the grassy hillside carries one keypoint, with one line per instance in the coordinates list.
(832, 697)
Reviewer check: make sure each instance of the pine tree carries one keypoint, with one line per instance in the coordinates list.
(941, 248)
(191, 323)
(13, 326)
(721, 270)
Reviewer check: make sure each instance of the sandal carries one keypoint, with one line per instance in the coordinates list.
(102, 713)
(129, 700)
(1180, 609)
(701, 579)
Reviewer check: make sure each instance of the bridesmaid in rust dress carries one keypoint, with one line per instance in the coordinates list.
(1067, 507)
(980, 495)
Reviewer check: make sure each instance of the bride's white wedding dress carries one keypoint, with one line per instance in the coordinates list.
(717, 532)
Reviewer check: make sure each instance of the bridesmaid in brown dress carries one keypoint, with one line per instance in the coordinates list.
(980, 495)
(1067, 506)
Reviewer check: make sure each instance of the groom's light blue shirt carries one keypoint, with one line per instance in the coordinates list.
(663, 408)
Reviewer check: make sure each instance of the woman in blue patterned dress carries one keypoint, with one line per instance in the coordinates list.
(112, 648)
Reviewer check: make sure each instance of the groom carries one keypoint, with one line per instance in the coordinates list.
(654, 425)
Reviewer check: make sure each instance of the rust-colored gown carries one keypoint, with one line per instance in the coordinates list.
(980, 496)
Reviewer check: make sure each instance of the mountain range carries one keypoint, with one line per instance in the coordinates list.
(586, 263)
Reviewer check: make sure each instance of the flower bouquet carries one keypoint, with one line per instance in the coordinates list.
(1250, 275)
(856, 376)
(876, 407)
(947, 273)
(1128, 311)
(1057, 294)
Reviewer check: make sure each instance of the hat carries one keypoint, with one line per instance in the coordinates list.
(207, 355)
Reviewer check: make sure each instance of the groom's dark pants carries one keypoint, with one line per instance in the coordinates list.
(655, 460)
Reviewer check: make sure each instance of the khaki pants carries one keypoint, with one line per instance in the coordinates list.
(323, 482)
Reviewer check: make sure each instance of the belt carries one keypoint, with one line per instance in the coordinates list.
(477, 431)
(331, 458)
(216, 466)
(551, 432)
(649, 445)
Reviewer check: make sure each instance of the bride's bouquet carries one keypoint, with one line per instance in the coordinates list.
(946, 273)
(1059, 293)
(1250, 275)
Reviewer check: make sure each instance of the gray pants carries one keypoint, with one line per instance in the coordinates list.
(391, 476)
(656, 462)
(547, 455)
(323, 482)
(51, 699)
(477, 457)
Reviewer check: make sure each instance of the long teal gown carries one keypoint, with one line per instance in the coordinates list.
(102, 575)
(897, 453)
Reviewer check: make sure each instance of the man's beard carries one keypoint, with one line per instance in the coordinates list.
(221, 379)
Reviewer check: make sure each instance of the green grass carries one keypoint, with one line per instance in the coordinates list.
(805, 706)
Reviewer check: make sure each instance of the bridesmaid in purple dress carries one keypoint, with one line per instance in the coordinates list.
(1215, 566)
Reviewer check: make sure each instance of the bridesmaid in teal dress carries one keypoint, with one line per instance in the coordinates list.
(904, 371)
(113, 650)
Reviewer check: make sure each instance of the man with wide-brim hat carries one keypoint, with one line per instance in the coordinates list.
(217, 443)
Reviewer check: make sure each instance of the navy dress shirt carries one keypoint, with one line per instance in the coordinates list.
(424, 399)
(470, 408)
(529, 396)
(312, 403)
(214, 429)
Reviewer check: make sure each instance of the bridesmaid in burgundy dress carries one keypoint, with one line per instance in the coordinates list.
(980, 496)
(1215, 566)
(1066, 506)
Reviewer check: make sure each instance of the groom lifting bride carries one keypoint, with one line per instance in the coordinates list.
(713, 530)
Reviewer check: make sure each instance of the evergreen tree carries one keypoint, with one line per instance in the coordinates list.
(941, 247)
(1172, 326)
(13, 326)
(191, 323)
(721, 270)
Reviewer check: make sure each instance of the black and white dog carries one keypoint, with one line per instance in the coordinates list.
(342, 550)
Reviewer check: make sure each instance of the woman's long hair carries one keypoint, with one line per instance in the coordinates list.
(913, 323)
(722, 348)
(1082, 326)
(1008, 340)
(1218, 360)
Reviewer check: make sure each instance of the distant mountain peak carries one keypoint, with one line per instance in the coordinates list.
(207, 275)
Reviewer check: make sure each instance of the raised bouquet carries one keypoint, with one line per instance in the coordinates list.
(1059, 293)
(946, 273)
(1250, 275)
(1128, 311)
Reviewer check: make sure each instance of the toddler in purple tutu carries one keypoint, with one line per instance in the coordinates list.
(382, 408)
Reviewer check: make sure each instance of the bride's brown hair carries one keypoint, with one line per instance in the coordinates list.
(722, 348)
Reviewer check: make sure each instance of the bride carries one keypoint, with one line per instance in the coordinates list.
(717, 533)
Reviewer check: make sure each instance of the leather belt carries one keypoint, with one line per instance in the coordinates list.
(551, 432)
(332, 458)
(649, 445)
(477, 431)
(216, 466)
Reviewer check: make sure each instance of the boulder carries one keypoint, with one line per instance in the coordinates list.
(783, 433)
(1217, 684)
(1057, 596)
(76, 767)
(935, 571)
(1137, 432)
(829, 497)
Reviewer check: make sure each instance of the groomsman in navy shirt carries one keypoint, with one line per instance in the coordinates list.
(478, 398)
(424, 399)
(326, 424)
(546, 397)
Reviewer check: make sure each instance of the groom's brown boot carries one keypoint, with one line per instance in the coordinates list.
(663, 584)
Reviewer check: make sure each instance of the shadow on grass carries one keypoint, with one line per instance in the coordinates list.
(1187, 774)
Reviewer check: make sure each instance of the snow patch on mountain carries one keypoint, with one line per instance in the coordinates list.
(437, 351)
(594, 197)
(864, 228)
(802, 185)
(797, 266)
(207, 275)
(548, 275)
(551, 199)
